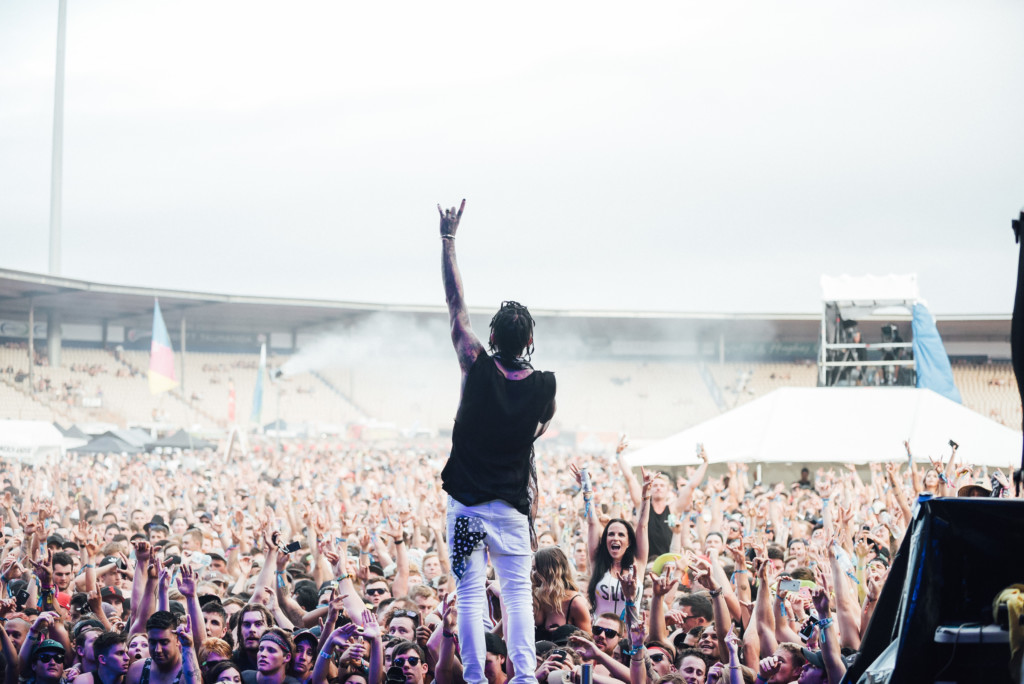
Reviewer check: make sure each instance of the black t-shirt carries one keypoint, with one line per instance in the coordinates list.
(492, 441)
(249, 677)
(659, 534)
(240, 657)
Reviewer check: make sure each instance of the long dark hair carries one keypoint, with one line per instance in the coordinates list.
(603, 559)
(218, 668)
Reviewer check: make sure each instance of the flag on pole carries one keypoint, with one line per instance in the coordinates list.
(930, 358)
(257, 394)
(161, 356)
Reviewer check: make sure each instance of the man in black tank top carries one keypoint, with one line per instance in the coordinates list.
(505, 405)
(663, 502)
(164, 664)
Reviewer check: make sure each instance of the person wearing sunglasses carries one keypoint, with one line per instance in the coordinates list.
(403, 623)
(662, 657)
(412, 660)
(490, 475)
(46, 666)
(607, 631)
(376, 591)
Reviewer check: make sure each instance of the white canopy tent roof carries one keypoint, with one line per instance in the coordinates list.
(840, 425)
(31, 441)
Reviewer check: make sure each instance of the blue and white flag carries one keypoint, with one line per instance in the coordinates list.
(930, 358)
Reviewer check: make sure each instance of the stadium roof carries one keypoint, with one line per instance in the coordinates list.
(85, 302)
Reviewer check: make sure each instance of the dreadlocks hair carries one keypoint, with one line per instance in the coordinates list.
(511, 330)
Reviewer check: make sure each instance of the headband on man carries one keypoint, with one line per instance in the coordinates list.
(270, 636)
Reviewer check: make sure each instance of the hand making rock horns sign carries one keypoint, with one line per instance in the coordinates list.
(450, 219)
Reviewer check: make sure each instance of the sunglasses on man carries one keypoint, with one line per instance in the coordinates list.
(608, 632)
(411, 614)
(401, 661)
(47, 657)
(376, 591)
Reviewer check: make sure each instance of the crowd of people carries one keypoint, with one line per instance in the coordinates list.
(487, 563)
(319, 565)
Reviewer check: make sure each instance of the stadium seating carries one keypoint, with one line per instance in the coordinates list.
(742, 382)
(991, 390)
(652, 398)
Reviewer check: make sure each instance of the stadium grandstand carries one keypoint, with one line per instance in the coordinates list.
(363, 370)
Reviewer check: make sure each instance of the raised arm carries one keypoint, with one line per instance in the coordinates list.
(835, 668)
(705, 577)
(643, 515)
(448, 669)
(187, 589)
(189, 660)
(467, 346)
(684, 501)
(764, 616)
(393, 529)
(627, 473)
(661, 587)
(589, 512)
(892, 470)
(848, 609)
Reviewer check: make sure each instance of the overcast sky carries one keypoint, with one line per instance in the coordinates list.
(682, 156)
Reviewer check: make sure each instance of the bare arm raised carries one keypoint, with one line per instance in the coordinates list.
(467, 346)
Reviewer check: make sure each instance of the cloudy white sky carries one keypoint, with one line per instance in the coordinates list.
(686, 156)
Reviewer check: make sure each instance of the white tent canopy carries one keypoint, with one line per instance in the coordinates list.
(840, 424)
(31, 441)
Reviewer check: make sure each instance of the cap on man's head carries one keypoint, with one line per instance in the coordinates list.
(494, 644)
(48, 646)
(107, 560)
(85, 625)
(111, 593)
(814, 658)
(155, 521)
(307, 636)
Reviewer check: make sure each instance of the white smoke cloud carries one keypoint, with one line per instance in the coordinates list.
(379, 336)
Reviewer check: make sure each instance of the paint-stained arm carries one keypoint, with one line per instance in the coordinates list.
(467, 346)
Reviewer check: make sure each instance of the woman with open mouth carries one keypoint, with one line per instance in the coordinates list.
(614, 550)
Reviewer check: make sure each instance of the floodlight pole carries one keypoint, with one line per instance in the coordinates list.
(56, 162)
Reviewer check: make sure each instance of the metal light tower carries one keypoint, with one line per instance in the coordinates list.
(58, 143)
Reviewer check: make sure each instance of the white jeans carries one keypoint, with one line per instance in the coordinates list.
(508, 543)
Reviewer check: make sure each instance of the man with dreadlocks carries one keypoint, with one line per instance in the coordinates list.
(490, 477)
